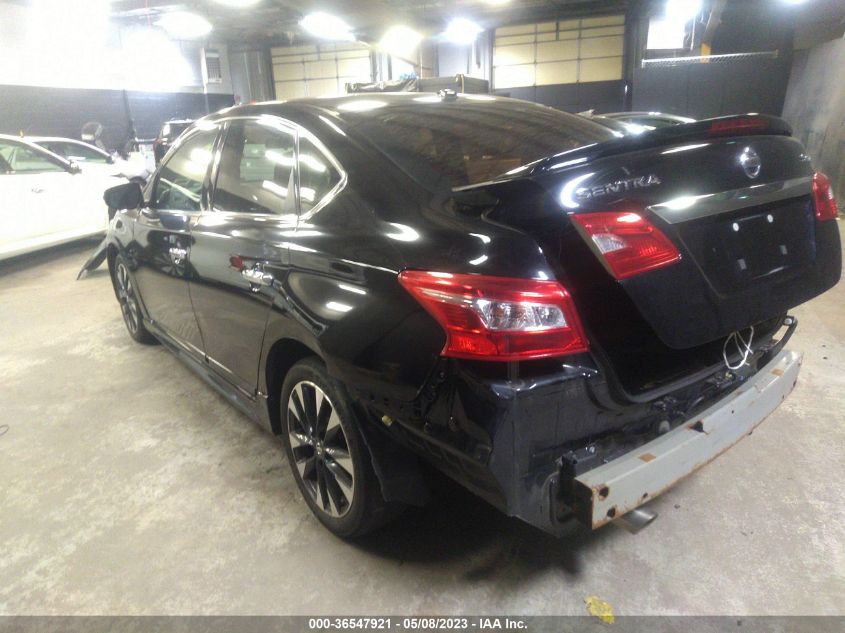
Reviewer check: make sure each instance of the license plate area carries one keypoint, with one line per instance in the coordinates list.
(745, 247)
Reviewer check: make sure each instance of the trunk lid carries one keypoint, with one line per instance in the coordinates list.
(739, 209)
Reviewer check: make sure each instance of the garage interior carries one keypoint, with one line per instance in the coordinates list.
(131, 488)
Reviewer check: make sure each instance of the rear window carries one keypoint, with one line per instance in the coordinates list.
(470, 142)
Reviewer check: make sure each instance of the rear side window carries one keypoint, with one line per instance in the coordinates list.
(317, 175)
(25, 160)
(256, 173)
(472, 140)
(180, 180)
(79, 153)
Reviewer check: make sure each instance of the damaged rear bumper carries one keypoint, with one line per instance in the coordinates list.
(607, 492)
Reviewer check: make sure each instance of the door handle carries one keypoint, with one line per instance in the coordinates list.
(257, 276)
(178, 255)
(37, 189)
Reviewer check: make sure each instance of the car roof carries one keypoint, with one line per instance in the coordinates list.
(390, 98)
(354, 104)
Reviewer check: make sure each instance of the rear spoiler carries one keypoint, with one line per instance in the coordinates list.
(720, 127)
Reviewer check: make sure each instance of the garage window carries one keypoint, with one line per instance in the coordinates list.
(320, 70)
(562, 52)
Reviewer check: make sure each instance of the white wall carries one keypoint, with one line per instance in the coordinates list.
(71, 44)
(815, 107)
(470, 60)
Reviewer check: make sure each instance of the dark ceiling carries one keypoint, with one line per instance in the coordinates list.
(277, 20)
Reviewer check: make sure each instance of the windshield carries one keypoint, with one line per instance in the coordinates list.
(471, 141)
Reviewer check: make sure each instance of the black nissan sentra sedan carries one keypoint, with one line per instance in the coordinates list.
(565, 321)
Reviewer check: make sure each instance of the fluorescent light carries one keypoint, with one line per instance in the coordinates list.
(462, 31)
(145, 52)
(400, 41)
(184, 25)
(327, 27)
(682, 10)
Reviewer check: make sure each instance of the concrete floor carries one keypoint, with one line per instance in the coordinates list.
(129, 487)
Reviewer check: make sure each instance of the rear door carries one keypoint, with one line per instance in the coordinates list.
(240, 251)
(163, 237)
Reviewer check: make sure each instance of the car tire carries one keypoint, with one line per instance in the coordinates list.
(130, 306)
(329, 459)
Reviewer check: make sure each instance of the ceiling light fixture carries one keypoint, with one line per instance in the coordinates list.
(184, 25)
(400, 41)
(327, 27)
(682, 10)
(462, 31)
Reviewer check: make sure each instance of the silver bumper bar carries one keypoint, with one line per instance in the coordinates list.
(611, 490)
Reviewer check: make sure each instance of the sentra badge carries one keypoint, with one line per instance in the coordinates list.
(618, 186)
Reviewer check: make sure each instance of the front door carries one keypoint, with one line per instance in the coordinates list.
(163, 238)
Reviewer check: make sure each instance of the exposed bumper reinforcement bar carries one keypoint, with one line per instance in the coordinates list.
(609, 491)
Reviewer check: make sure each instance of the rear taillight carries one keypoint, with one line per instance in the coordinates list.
(823, 197)
(629, 243)
(498, 318)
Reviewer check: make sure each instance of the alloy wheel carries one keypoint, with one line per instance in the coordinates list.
(127, 299)
(320, 449)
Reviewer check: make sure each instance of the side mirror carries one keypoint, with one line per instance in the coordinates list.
(126, 196)
(75, 168)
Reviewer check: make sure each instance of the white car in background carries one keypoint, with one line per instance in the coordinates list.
(47, 200)
(92, 158)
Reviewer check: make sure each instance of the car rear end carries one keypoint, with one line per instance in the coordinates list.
(657, 341)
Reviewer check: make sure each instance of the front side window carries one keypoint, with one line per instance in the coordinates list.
(22, 159)
(256, 173)
(180, 180)
(317, 176)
